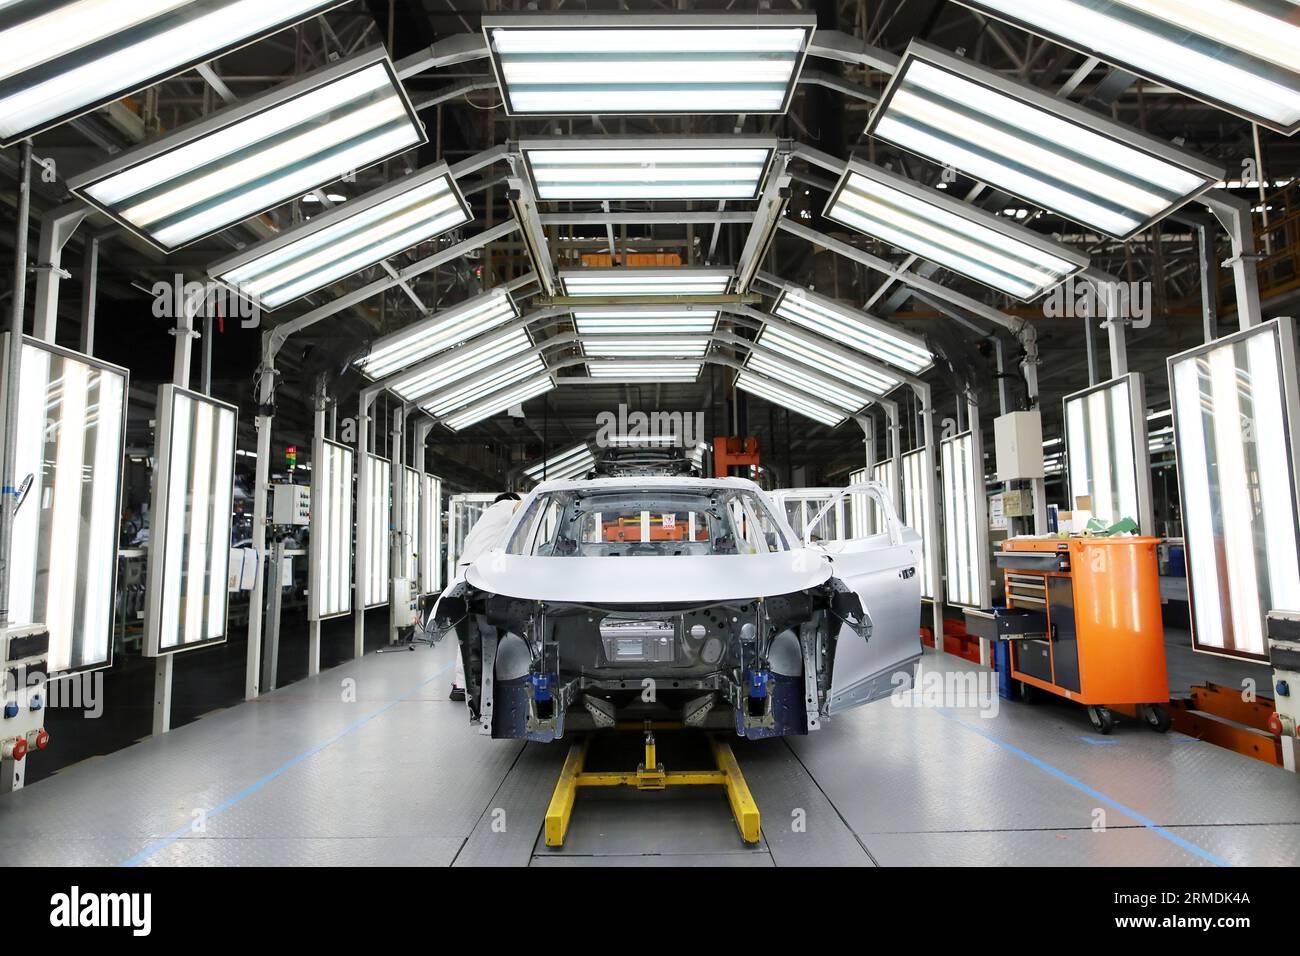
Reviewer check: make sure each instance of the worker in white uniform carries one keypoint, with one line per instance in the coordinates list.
(482, 538)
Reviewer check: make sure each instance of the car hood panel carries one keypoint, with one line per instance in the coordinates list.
(649, 580)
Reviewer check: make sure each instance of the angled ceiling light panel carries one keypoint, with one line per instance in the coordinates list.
(949, 233)
(648, 167)
(1239, 55)
(347, 239)
(854, 329)
(645, 371)
(459, 395)
(500, 401)
(812, 352)
(632, 281)
(423, 339)
(791, 399)
(563, 464)
(612, 321)
(65, 59)
(478, 356)
(1039, 147)
(684, 346)
(257, 154)
(555, 65)
(799, 376)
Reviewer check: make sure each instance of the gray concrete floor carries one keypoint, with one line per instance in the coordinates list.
(370, 763)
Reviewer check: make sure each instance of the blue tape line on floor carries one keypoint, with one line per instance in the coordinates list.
(1090, 791)
(223, 806)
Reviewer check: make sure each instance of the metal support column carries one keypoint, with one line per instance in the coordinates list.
(1236, 217)
(90, 291)
(57, 227)
(261, 488)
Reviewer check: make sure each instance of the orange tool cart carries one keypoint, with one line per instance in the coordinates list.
(1090, 627)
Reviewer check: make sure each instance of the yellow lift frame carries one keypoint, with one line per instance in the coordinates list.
(651, 775)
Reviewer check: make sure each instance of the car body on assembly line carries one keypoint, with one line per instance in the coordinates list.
(680, 599)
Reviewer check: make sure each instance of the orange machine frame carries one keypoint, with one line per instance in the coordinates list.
(1114, 606)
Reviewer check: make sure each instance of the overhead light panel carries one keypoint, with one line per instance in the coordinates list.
(648, 168)
(257, 154)
(813, 353)
(853, 329)
(465, 393)
(1042, 148)
(557, 65)
(347, 239)
(65, 59)
(647, 346)
(646, 371)
(562, 465)
(789, 398)
(801, 377)
(422, 340)
(475, 357)
(499, 402)
(1239, 55)
(949, 233)
(635, 281)
(613, 321)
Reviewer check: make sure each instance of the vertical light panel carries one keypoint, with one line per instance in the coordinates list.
(918, 486)
(963, 489)
(381, 508)
(330, 555)
(431, 535)
(71, 420)
(412, 488)
(1234, 403)
(1106, 450)
(860, 519)
(189, 539)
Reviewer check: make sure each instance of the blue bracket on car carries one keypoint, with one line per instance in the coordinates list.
(542, 685)
(756, 682)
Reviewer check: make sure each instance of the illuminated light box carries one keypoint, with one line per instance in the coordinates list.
(571, 463)
(647, 371)
(646, 281)
(577, 64)
(956, 235)
(1238, 55)
(349, 238)
(1107, 453)
(190, 519)
(66, 59)
(648, 168)
(1234, 403)
(490, 353)
(500, 401)
(794, 400)
(431, 535)
(854, 329)
(379, 514)
(1040, 147)
(685, 346)
(965, 520)
(806, 380)
(412, 487)
(71, 421)
(918, 486)
(424, 339)
(252, 156)
(811, 351)
(330, 554)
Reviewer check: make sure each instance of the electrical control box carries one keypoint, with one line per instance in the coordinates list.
(405, 602)
(24, 651)
(290, 504)
(1018, 439)
(1284, 655)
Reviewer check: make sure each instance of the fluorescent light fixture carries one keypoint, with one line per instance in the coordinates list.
(853, 329)
(329, 558)
(412, 487)
(511, 373)
(422, 340)
(431, 535)
(250, 157)
(499, 401)
(797, 375)
(917, 489)
(620, 370)
(71, 421)
(1039, 147)
(663, 346)
(795, 401)
(949, 233)
(380, 521)
(190, 517)
(1106, 432)
(634, 281)
(810, 350)
(570, 463)
(966, 559)
(1238, 55)
(347, 239)
(495, 353)
(648, 168)
(560, 64)
(612, 321)
(65, 59)
(1234, 404)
